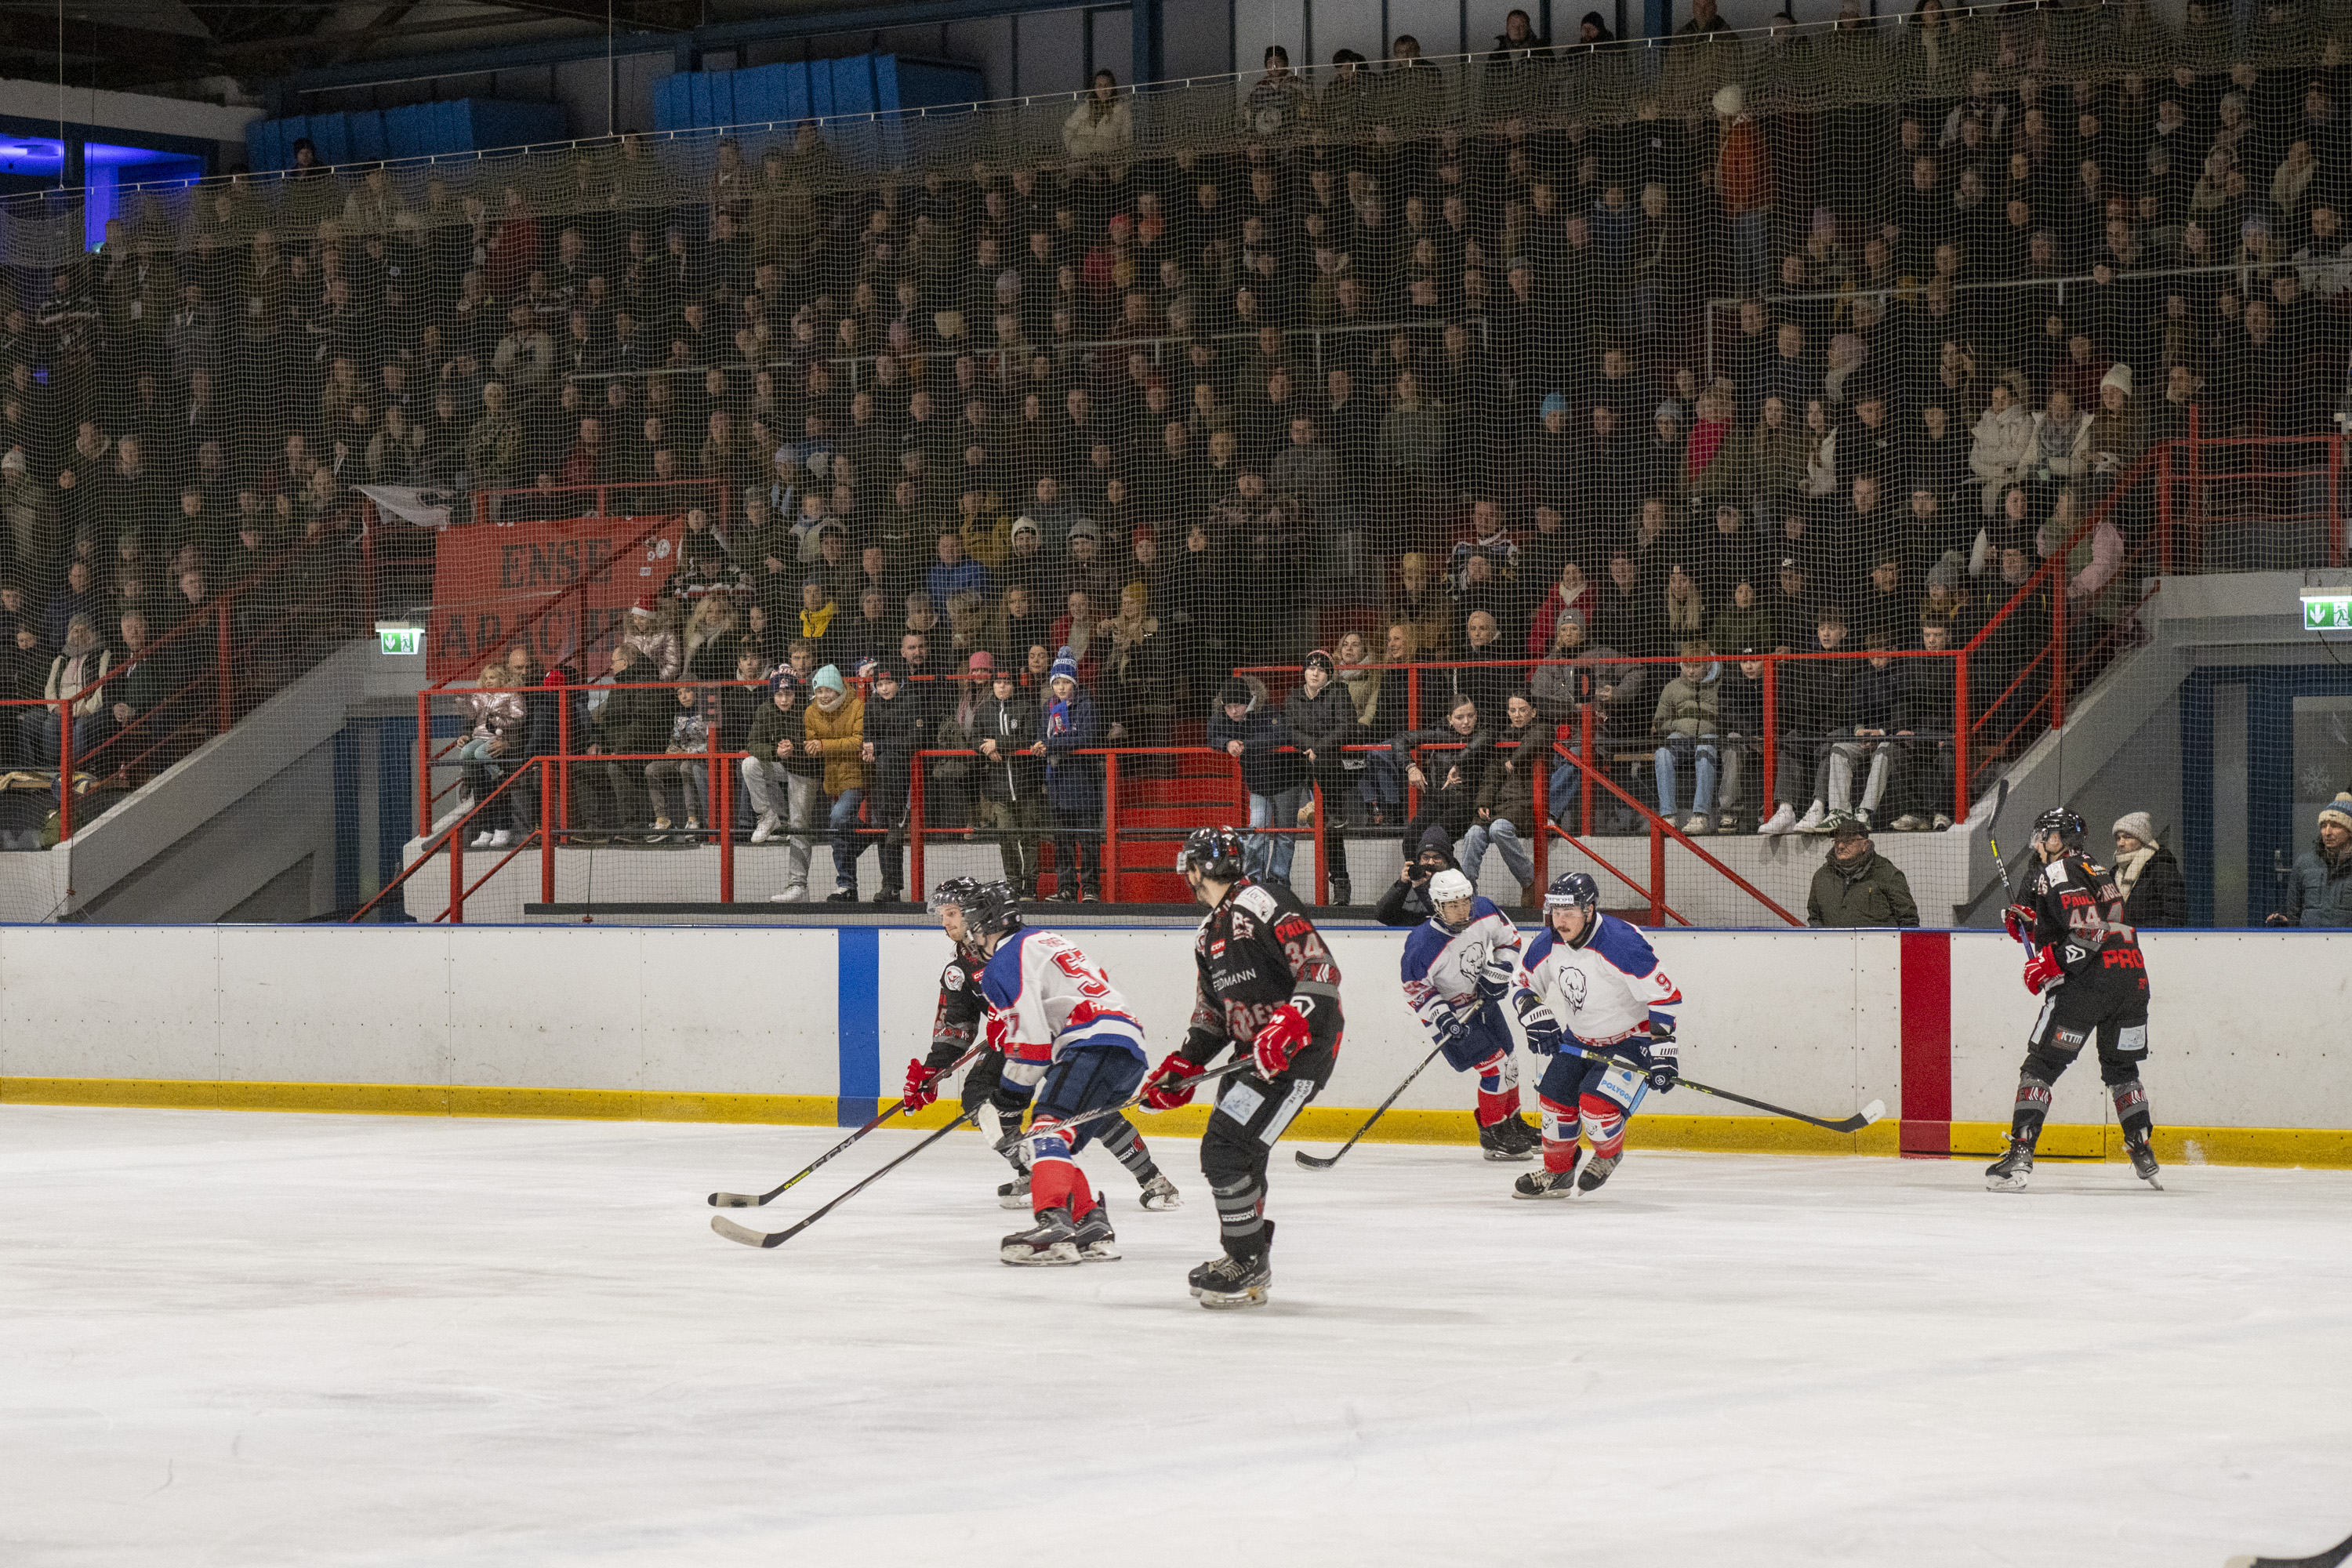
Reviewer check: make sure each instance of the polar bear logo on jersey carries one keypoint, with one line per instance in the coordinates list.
(1572, 981)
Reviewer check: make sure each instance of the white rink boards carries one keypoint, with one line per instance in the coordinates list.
(253, 1340)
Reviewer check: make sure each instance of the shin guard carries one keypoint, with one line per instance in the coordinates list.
(1604, 1125)
(1558, 1134)
(2132, 1112)
(1498, 1089)
(2032, 1105)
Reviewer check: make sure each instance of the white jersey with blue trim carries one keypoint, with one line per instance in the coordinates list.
(1050, 998)
(1608, 988)
(1443, 970)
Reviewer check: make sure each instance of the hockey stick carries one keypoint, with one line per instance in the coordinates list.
(753, 1200)
(748, 1238)
(1870, 1113)
(1322, 1163)
(2327, 1559)
(1966, 912)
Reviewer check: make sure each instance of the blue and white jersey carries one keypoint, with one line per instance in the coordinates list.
(1050, 997)
(1451, 973)
(1608, 989)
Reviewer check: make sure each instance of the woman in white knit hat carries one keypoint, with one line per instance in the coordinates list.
(2150, 877)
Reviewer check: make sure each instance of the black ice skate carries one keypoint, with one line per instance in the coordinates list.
(2143, 1159)
(1014, 1193)
(1548, 1184)
(1598, 1172)
(1226, 1281)
(1498, 1143)
(1096, 1241)
(1159, 1193)
(2010, 1173)
(1052, 1242)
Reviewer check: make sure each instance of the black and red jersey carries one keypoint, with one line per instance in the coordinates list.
(2078, 915)
(956, 1024)
(1256, 951)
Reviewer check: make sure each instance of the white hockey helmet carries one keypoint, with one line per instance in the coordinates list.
(1449, 885)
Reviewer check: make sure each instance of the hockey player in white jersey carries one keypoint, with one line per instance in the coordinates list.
(1590, 980)
(1062, 1026)
(1457, 969)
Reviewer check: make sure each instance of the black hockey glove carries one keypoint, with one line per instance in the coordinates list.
(1544, 1033)
(1666, 1069)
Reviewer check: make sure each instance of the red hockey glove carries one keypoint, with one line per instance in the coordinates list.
(2018, 919)
(2043, 971)
(1000, 1033)
(1283, 1033)
(921, 1086)
(1171, 1083)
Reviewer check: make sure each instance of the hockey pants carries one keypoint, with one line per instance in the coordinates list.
(1486, 1050)
(1251, 1114)
(1578, 1093)
(2074, 1014)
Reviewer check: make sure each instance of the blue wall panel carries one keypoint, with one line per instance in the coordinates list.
(366, 132)
(853, 85)
(796, 90)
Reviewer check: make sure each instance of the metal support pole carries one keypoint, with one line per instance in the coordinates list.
(423, 763)
(1657, 873)
(1584, 771)
(1960, 736)
(2164, 510)
(2335, 508)
(916, 884)
(221, 673)
(2058, 652)
(548, 768)
(1107, 859)
(457, 876)
(1322, 859)
(1542, 782)
(65, 769)
(1771, 736)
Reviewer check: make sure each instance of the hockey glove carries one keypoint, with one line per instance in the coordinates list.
(1000, 1033)
(1451, 1029)
(1666, 1064)
(2019, 919)
(1171, 1083)
(2043, 971)
(922, 1086)
(1284, 1034)
(1495, 974)
(1544, 1034)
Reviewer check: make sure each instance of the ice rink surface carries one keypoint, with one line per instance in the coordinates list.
(253, 1340)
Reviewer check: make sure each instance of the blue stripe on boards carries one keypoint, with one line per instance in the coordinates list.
(860, 1023)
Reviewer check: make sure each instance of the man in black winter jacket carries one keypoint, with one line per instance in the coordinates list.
(896, 727)
(1320, 720)
(1923, 763)
(1012, 778)
(1273, 774)
(1406, 902)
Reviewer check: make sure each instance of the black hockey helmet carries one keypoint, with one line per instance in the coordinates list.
(956, 893)
(994, 909)
(1214, 852)
(1575, 890)
(2065, 822)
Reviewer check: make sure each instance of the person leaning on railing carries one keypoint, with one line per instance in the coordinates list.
(2318, 891)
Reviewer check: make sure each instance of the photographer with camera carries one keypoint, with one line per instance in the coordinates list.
(1406, 903)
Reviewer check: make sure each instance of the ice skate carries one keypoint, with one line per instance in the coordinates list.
(1097, 1243)
(1159, 1193)
(2143, 1159)
(1498, 1143)
(1226, 1281)
(2008, 1174)
(1052, 1242)
(1548, 1182)
(1014, 1193)
(1598, 1172)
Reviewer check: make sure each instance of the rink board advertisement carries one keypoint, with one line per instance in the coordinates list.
(811, 1024)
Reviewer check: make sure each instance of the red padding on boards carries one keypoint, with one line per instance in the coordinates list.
(1927, 1043)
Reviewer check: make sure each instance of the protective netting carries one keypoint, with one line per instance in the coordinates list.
(1653, 385)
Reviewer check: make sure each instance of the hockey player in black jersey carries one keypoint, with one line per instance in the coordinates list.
(2086, 964)
(957, 1024)
(1267, 985)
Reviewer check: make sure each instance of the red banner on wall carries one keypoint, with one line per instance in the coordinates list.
(560, 588)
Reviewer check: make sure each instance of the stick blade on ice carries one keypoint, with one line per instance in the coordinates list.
(734, 1200)
(2331, 1558)
(1315, 1161)
(744, 1234)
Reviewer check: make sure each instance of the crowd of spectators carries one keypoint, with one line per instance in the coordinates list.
(1412, 364)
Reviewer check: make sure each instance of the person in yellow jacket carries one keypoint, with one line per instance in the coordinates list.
(835, 725)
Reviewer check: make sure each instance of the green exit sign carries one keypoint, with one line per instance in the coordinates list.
(400, 639)
(2328, 612)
